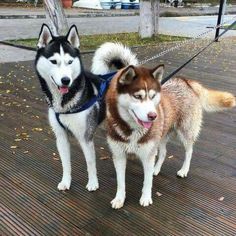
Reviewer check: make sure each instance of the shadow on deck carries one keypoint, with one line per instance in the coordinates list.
(202, 204)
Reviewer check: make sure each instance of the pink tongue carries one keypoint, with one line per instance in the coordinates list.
(63, 90)
(146, 125)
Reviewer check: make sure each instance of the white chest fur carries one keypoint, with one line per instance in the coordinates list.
(132, 146)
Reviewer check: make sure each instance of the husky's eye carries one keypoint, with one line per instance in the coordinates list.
(70, 62)
(151, 97)
(139, 97)
(53, 62)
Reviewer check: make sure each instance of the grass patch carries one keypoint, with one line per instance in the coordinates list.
(91, 42)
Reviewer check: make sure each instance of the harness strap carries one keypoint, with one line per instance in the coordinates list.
(59, 121)
(106, 79)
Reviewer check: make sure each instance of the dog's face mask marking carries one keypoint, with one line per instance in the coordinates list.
(139, 93)
(59, 63)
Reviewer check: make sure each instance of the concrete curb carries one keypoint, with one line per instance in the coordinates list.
(103, 14)
(79, 15)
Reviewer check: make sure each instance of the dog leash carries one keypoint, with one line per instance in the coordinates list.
(195, 55)
(106, 79)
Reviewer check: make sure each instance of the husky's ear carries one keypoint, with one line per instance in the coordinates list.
(73, 36)
(127, 75)
(158, 72)
(45, 36)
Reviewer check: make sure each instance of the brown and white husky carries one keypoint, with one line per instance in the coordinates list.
(141, 115)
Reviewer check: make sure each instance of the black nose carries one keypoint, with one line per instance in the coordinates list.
(65, 80)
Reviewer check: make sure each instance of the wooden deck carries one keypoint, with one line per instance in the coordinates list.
(202, 204)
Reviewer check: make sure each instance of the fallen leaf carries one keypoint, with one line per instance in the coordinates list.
(102, 148)
(170, 157)
(158, 194)
(14, 147)
(17, 139)
(25, 152)
(104, 158)
(37, 129)
(55, 157)
(221, 199)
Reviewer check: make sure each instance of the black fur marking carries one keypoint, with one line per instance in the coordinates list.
(54, 47)
(117, 63)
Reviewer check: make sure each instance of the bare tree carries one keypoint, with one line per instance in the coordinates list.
(56, 16)
(149, 15)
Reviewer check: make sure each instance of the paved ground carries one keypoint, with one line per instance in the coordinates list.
(204, 204)
(12, 54)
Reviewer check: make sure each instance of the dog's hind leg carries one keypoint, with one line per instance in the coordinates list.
(161, 156)
(183, 172)
(90, 157)
(188, 131)
(188, 137)
(63, 147)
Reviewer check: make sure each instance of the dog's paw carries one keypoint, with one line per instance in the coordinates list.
(156, 171)
(145, 200)
(64, 184)
(117, 202)
(182, 173)
(92, 185)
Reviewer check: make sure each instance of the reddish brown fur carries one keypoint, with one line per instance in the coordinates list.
(143, 78)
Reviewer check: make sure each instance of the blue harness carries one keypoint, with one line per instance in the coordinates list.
(106, 79)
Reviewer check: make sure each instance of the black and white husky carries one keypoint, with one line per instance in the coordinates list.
(70, 90)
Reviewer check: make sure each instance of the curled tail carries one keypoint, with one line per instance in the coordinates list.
(213, 100)
(110, 55)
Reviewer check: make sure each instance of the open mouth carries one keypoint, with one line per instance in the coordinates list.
(62, 89)
(146, 125)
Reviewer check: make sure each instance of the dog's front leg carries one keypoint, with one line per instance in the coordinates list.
(63, 147)
(119, 160)
(90, 157)
(148, 167)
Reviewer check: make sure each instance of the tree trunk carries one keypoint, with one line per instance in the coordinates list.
(56, 16)
(149, 15)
